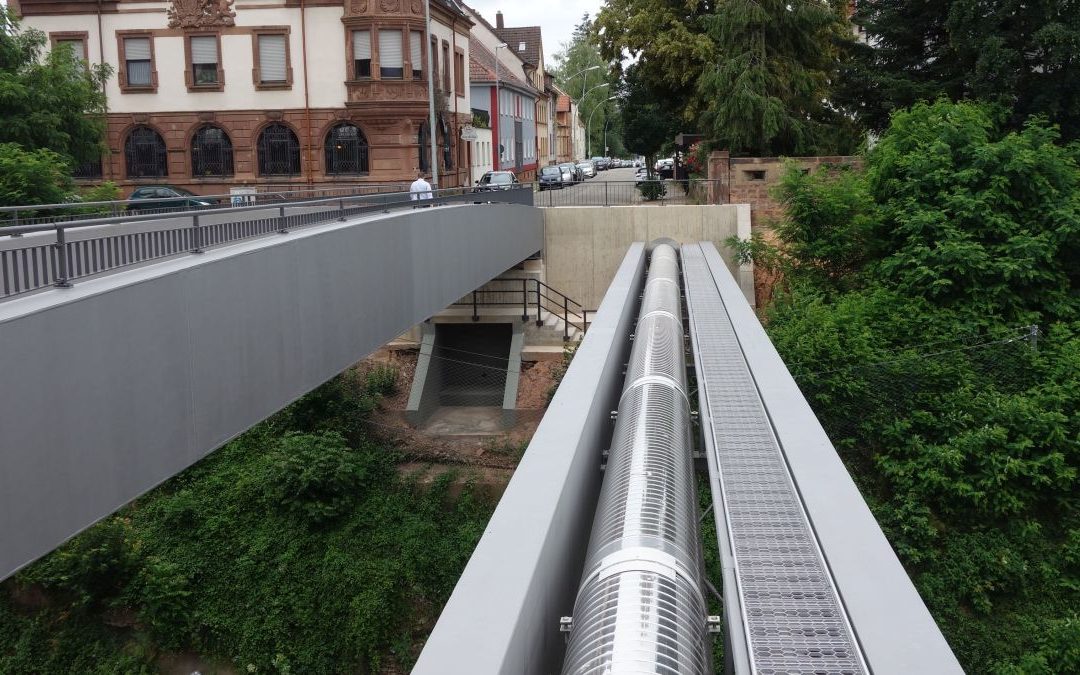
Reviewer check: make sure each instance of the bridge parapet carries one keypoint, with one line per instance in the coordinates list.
(41, 255)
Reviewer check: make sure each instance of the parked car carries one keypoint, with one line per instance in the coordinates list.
(570, 173)
(588, 169)
(551, 177)
(601, 163)
(641, 174)
(178, 196)
(496, 180)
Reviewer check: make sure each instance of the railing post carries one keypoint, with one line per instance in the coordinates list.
(524, 299)
(566, 320)
(341, 210)
(606, 194)
(63, 274)
(475, 315)
(196, 234)
(282, 229)
(539, 318)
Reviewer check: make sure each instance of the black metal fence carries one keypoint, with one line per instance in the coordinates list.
(41, 255)
(651, 192)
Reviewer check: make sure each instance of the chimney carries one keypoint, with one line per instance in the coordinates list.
(498, 20)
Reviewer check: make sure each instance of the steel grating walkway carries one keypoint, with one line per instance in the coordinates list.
(793, 619)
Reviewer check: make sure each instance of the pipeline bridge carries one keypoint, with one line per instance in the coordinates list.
(134, 346)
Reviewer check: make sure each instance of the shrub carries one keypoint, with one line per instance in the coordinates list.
(317, 476)
(382, 380)
(32, 177)
(93, 568)
(651, 190)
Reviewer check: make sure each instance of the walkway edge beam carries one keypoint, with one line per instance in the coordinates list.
(503, 616)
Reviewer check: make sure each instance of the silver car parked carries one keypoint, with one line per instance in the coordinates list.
(588, 169)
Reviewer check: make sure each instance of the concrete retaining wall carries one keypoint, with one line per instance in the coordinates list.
(583, 246)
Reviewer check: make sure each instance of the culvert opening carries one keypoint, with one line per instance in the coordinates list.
(472, 360)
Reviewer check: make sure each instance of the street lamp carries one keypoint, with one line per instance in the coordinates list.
(431, 95)
(498, 108)
(582, 103)
(584, 81)
(588, 136)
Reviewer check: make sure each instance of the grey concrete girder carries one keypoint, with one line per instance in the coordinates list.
(122, 381)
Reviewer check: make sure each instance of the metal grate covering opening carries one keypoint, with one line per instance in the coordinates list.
(794, 622)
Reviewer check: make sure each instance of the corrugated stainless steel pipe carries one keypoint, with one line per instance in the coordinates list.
(640, 607)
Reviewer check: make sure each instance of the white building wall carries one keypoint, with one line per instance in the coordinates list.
(326, 58)
(461, 40)
(579, 133)
(481, 155)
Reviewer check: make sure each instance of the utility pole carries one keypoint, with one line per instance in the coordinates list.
(498, 108)
(431, 95)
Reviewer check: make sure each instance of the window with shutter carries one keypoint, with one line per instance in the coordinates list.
(204, 60)
(391, 61)
(273, 59)
(361, 45)
(446, 66)
(459, 73)
(78, 48)
(416, 53)
(137, 62)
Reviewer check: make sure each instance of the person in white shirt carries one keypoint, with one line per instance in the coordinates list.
(420, 189)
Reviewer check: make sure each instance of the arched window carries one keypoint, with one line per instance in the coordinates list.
(444, 144)
(425, 148)
(145, 153)
(346, 150)
(211, 153)
(443, 141)
(279, 151)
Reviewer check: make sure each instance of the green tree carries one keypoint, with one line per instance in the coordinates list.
(769, 89)
(32, 177)
(49, 99)
(580, 69)
(908, 283)
(1022, 55)
(646, 125)
(669, 42)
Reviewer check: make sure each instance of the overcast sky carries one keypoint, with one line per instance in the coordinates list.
(556, 18)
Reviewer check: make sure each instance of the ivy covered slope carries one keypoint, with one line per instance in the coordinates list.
(908, 288)
(295, 548)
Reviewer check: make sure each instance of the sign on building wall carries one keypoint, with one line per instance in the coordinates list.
(469, 133)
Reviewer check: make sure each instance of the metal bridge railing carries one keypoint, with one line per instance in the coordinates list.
(531, 295)
(39, 214)
(54, 254)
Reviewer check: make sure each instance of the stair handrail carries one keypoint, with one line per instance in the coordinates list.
(542, 295)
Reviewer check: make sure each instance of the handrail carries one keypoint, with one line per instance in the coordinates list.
(534, 296)
(15, 230)
(48, 261)
(368, 189)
